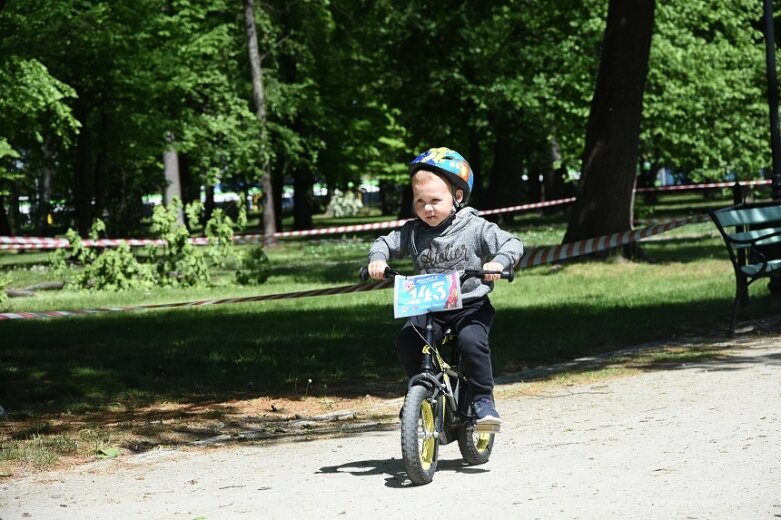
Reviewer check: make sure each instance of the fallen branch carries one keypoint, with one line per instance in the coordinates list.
(30, 290)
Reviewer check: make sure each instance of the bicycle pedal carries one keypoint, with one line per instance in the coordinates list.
(487, 428)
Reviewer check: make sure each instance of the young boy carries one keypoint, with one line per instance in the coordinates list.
(446, 237)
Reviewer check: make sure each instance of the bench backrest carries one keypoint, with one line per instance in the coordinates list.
(746, 216)
(747, 225)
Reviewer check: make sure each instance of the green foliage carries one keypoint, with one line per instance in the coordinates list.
(33, 105)
(178, 262)
(4, 281)
(33, 101)
(219, 229)
(705, 108)
(114, 270)
(254, 267)
(110, 269)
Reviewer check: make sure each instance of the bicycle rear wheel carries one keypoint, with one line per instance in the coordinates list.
(419, 438)
(475, 446)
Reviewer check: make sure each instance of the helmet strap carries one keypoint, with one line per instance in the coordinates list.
(457, 204)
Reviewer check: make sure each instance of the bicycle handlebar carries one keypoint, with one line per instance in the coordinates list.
(508, 275)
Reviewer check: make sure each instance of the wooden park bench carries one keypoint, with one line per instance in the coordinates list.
(748, 230)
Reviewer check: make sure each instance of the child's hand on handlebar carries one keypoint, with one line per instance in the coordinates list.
(377, 269)
(492, 266)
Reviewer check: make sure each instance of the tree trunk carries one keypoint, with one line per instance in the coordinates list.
(389, 198)
(191, 188)
(504, 188)
(259, 100)
(277, 198)
(15, 218)
(606, 195)
(303, 199)
(82, 182)
(5, 225)
(476, 163)
(554, 186)
(406, 210)
(173, 187)
(101, 170)
(43, 205)
(208, 204)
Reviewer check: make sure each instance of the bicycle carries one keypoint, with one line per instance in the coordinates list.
(437, 407)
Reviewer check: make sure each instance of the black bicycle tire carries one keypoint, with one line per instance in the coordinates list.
(470, 446)
(420, 455)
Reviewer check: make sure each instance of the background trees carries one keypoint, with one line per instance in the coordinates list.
(93, 92)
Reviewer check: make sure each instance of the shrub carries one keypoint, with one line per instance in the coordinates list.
(4, 279)
(254, 267)
(101, 269)
(176, 263)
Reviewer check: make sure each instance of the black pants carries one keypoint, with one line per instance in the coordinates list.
(471, 324)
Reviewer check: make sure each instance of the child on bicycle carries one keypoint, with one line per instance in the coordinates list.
(447, 236)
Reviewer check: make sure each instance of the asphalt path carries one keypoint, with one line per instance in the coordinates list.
(692, 441)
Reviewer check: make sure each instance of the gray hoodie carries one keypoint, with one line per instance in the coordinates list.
(464, 241)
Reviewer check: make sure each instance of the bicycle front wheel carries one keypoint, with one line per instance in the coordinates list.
(419, 438)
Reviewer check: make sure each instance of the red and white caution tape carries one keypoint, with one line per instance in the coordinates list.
(707, 185)
(553, 254)
(340, 229)
(346, 289)
(532, 258)
(40, 243)
(525, 207)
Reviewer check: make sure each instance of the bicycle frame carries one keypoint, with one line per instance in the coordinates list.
(435, 372)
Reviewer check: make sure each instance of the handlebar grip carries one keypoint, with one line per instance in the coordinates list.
(363, 273)
(510, 275)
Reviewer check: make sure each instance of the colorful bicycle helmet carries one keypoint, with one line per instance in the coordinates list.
(449, 163)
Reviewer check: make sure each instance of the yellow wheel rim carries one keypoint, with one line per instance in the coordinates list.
(481, 440)
(428, 440)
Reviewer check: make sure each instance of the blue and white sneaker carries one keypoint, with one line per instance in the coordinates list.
(485, 412)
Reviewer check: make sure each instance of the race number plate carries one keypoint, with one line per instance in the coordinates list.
(414, 295)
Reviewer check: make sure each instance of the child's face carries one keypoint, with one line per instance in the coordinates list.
(432, 197)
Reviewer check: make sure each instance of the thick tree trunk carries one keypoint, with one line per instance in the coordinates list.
(606, 198)
(259, 100)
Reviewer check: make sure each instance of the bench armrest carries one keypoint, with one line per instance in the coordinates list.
(754, 240)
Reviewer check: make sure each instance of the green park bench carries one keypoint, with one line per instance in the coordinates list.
(748, 230)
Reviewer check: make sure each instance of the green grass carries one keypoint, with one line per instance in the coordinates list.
(216, 353)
